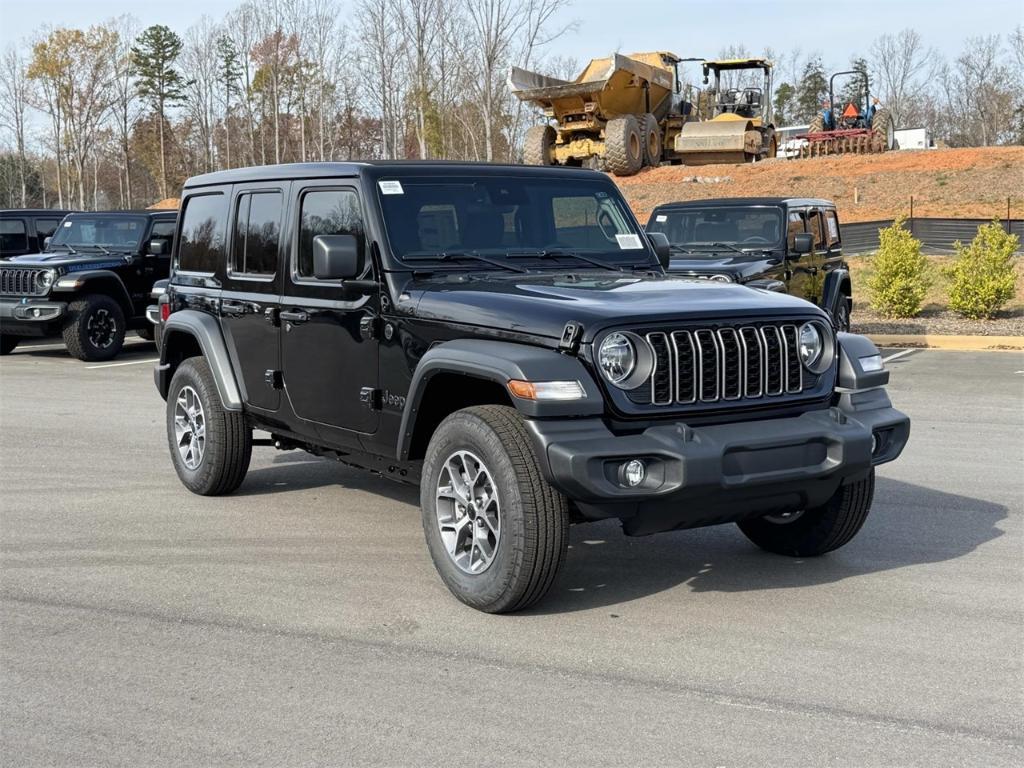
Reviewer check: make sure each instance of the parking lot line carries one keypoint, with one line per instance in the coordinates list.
(899, 354)
(117, 365)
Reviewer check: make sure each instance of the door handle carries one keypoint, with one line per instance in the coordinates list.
(238, 308)
(294, 316)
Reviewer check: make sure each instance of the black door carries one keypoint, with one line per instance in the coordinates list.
(326, 360)
(249, 302)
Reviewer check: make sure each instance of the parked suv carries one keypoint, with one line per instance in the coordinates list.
(91, 284)
(786, 244)
(505, 337)
(24, 230)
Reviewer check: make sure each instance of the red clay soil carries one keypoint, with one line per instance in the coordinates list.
(969, 183)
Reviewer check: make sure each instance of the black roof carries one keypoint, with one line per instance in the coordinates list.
(34, 211)
(130, 212)
(374, 168)
(725, 201)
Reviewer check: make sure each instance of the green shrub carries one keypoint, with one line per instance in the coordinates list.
(900, 277)
(982, 278)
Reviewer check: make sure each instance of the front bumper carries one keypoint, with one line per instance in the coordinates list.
(713, 474)
(30, 317)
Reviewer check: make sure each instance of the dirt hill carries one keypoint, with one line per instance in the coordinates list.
(972, 183)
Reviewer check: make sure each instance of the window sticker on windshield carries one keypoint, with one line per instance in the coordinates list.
(391, 187)
(661, 218)
(629, 242)
(67, 223)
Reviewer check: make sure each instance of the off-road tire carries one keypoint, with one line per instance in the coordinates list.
(538, 144)
(534, 518)
(77, 334)
(624, 146)
(820, 530)
(842, 315)
(651, 133)
(8, 344)
(228, 442)
(145, 333)
(881, 127)
(817, 124)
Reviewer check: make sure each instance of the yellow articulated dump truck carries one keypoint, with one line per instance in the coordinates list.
(618, 115)
(626, 112)
(738, 110)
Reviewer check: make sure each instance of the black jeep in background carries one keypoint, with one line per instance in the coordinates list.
(506, 337)
(788, 244)
(90, 285)
(24, 230)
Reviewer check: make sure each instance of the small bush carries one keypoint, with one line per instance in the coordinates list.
(900, 278)
(982, 277)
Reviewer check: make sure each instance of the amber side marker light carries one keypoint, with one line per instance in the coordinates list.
(546, 390)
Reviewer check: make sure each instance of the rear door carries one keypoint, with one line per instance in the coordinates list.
(328, 359)
(252, 287)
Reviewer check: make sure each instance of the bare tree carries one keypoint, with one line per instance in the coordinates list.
(200, 68)
(902, 66)
(492, 28)
(384, 52)
(14, 103)
(419, 23)
(126, 107)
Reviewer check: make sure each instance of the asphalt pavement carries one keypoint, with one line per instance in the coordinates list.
(300, 620)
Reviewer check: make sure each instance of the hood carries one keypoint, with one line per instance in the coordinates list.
(70, 261)
(542, 304)
(720, 264)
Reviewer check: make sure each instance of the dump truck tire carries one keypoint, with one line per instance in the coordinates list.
(882, 129)
(652, 140)
(624, 153)
(537, 145)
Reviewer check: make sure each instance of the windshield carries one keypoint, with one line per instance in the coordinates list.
(705, 229)
(509, 217)
(120, 233)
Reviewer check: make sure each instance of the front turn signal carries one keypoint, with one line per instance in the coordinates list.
(546, 390)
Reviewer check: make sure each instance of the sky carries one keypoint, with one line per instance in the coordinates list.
(839, 29)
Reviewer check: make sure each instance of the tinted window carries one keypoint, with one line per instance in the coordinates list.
(833, 227)
(46, 227)
(586, 222)
(202, 233)
(257, 233)
(12, 235)
(815, 225)
(120, 233)
(753, 227)
(327, 212)
(163, 230)
(794, 227)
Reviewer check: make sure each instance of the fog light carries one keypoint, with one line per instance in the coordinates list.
(36, 312)
(874, 443)
(633, 472)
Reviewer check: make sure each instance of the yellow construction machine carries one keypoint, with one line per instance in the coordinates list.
(738, 116)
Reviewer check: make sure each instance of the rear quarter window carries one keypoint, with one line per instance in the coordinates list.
(12, 235)
(832, 224)
(203, 224)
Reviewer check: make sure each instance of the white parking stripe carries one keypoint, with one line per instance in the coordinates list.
(899, 354)
(117, 365)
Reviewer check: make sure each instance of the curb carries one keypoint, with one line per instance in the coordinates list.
(962, 343)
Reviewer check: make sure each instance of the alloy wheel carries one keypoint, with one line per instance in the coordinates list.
(190, 427)
(101, 328)
(468, 512)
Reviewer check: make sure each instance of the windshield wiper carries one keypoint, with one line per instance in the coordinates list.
(457, 255)
(680, 249)
(96, 246)
(64, 245)
(730, 247)
(555, 253)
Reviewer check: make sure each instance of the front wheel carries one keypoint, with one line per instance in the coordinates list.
(496, 531)
(94, 329)
(812, 532)
(210, 447)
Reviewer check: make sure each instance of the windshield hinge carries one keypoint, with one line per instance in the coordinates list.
(569, 344)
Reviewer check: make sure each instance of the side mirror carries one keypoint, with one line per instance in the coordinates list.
(46, 243)
(157, 247)
(661, 247)
(336, 257)
(803, 243)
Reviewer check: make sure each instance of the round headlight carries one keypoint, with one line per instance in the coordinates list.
(45, 279)
(816, 346)
(617, 357)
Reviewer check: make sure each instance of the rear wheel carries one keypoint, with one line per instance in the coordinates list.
(94, 328)
(624, 153)
(8, 344)
(842, 315)
(210, 447)
(883, 130)
(537, 145)
(496, 531)
(812, 532)
(817, 124)
(651, 132)
(145, 333)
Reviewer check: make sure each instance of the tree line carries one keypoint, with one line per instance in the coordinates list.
(118, 116)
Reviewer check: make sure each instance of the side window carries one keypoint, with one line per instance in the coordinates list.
(585, 223)
(45, 228)
(794, 226)
(202, 233)
(12, 235)
(816, 226)
(257, 233)
(162, 230)
(326, 212)
(832, 221)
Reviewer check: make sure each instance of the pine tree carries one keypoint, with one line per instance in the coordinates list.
(229, 73)
(811, 91)
(852, 91)
(155, 52)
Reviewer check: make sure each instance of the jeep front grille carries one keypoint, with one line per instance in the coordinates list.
(724, 365)
(15, 281)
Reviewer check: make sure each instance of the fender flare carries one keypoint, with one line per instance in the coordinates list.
(853, 348)
(832, 292)
(500, 361)
(93, 276)
(205, 330)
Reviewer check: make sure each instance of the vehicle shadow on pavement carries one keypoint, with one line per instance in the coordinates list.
(909, 525)
(52, 351)
(297, 470)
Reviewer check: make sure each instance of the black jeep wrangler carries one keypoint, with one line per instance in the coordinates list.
(505, 337)
(90, 284)
(790, 244)
(24, 230)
